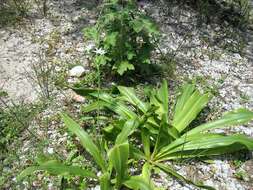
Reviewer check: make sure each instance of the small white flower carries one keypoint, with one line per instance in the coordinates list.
(89, 47)
(99, 51)
(50, 150)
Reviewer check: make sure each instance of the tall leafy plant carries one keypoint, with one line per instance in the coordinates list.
(165, 134)
(123, 36)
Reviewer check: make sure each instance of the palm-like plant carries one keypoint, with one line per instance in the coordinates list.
(113, 165)
(164, 138)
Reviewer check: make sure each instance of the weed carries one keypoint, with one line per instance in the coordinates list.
(122, 37)
(42, 75)
(13, 10)
(15, 118)
(241, 174)
(244, 97)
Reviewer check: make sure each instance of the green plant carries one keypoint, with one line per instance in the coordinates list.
(147, 132)
(123, 37)
(12, 10)
(113, 162)
(15, 118)
(165, 135)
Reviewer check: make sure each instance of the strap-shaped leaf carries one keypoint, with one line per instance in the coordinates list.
(127, 130)
(187, 91)
(85, 140)
(190, 103)
(236, 117)
(56, 168)
(162, 138)
(170, 171)
(168, 149)
(163, 96)
(129, 95)
(159, 98)
(145, 137)
(138, 183)
(93, 106)
(205, 144)
(115, 105)
(118, 157)
(146, 174)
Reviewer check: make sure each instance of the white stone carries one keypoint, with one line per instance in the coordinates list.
(77, 71)
(50, 150)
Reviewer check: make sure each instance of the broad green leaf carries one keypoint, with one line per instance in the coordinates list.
(111, 39)
(162, 138)
(167, 149)
(130, 55)
(187, 91)
(150, 26)
(100, 60)
(115, 105)
(85, 140)
(91, 33)
(190, 103)
(93, 106)
(56, 168)
(124, 66)
(137, 25)
(205, 144)
(163, 96)
(160, 99)
(146, 174)
(137, 183)
(128, 129)
(170, 171)
(173, 132)
(118, 157)
(236, 117)
(145, 137)
(129, 95)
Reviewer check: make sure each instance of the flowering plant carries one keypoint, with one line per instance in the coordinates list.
(123, 36)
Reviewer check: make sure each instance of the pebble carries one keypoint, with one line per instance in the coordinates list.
(77, 71)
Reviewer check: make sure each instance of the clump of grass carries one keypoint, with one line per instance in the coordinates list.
(12, 11)
(15, 118)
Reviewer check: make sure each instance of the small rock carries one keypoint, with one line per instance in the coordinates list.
(77, 71)
(96, 188)
(78, 98)
(50, 150)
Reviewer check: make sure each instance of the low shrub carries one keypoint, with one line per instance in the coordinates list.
(122, 37)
